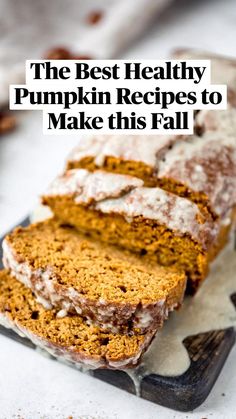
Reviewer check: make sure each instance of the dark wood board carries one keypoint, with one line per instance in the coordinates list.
(208, 353)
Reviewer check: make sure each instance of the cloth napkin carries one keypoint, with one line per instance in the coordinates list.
(29, 28)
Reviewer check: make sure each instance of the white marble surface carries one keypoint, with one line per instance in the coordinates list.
(32, 386)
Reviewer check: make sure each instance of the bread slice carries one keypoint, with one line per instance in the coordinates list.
(69, 338)
(200, 168)
(112, 289)
(134, 155)
(117, 209)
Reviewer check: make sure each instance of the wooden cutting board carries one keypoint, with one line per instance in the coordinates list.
(208, 353)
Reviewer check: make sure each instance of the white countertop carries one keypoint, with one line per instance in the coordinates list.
(32, 386)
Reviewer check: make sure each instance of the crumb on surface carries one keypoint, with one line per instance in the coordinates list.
(63, 53)
(7, 122)
(94, 17)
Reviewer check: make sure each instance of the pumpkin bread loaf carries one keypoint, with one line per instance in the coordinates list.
(68, 338)
(158, 160)
(200, 168)
(154, 223)
(87, 285)
(113, 289)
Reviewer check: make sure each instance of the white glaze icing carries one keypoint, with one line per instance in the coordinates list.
(143, 148)
(143, 319)
(187, 150)
(93, 144)
(224, 121)
(22, 270)
(205, 164)
(40, 213)
(88, 187)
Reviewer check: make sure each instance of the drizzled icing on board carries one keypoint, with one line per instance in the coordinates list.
(210, 309)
